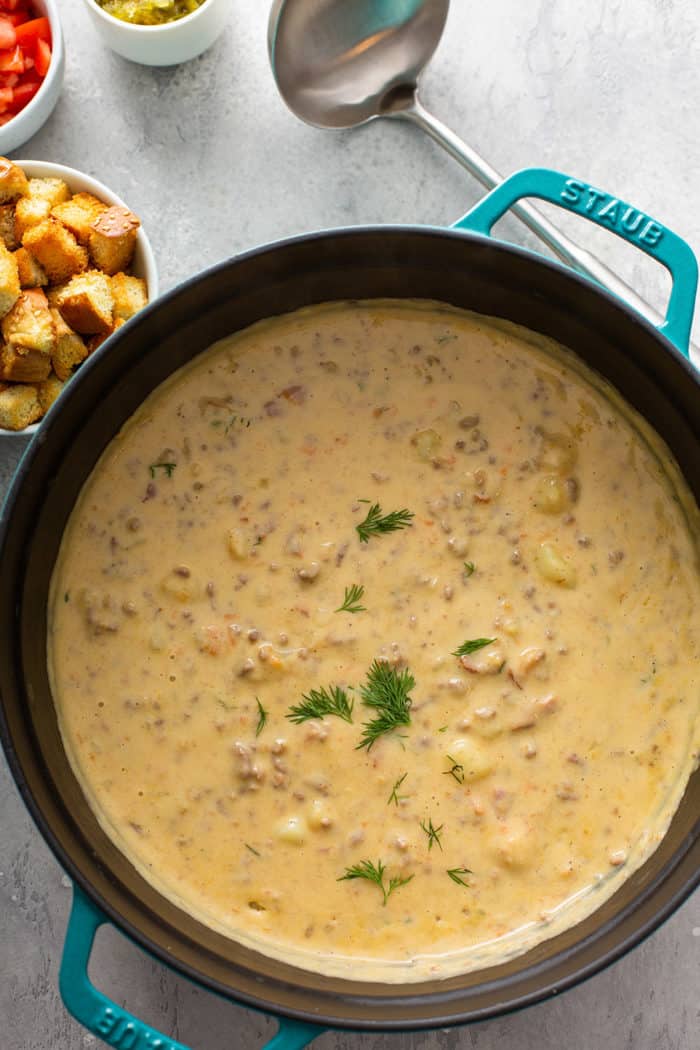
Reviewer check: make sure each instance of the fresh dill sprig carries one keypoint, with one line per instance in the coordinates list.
(251, 848)
(469, 568)
(393, 797)
(472, 645)
(456, 873)
(432, 832)
(321, 702)
(376, 523)
(167, 467)
(262, 718)
(456, 770)
(386, 690)
(375, 873)
(353, 595)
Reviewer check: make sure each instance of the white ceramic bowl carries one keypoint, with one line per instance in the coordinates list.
(28, 121)
(162, 45)
(144, 263)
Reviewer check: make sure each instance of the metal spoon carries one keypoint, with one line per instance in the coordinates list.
(340, 63)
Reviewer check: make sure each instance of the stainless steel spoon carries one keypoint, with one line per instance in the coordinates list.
(340, 63)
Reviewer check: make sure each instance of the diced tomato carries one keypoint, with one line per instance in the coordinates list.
(24, 93)
(42, 57)
(8, 37)
(36, 29)
(25, 55)
(12, 61)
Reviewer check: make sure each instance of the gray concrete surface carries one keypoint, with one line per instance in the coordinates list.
(209, 157)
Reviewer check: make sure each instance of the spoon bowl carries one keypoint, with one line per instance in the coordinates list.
(340, 64)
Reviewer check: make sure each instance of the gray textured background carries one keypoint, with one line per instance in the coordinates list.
(212, 161)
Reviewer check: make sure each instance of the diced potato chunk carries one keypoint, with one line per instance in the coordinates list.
(292, 830)
(551, 495)
(472, 756)
(554, 567)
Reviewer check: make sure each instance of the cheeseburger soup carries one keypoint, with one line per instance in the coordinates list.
(374, 639)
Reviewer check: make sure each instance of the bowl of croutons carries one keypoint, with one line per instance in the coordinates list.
(75, 265)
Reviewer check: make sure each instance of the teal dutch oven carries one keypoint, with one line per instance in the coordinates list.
(463, 266)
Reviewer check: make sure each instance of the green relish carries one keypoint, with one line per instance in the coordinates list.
(149, 12)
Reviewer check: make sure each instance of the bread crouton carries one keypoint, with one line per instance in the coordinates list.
(48, 391)
(112, 239)
(130, 295)
(9, 280)
(70, 348)
(53, 292)
(86, 303)
(78, 214)
(31, 274)
(35, 207)
(13, 181)
(56, 249)
(22, 365)
(7, 227)
(19, 407)
(29, 324)
(96, 341)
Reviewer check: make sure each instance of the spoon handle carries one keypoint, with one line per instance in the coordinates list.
(565, 249)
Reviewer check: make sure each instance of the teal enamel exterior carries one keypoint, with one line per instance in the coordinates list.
(612, 214)
(111, 1023)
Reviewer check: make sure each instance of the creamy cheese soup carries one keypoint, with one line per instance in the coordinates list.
(374, 639)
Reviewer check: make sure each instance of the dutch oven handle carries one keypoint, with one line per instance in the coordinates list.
(113, 1024)
(612, 214)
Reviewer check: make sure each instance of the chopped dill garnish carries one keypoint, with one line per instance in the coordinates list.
(251, 848)
(353, 595)
(443, 729)
(456, 873)
(167, 467)
(376, 523)
(469, 568)
(262, 718)
(432, 832)
(393, 797)
(66, 597)
(386, 690)
(321, 702)
(472, 646)
(456, 770)
(375, 873)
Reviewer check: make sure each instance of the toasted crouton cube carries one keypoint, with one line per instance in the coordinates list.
(31, 274)
(53, 292)
(112, 239)
(29, 324)
(97, 340)
(35, 207)
(7, 227)
(19, 407)
(130, 295)
(79, 213)
(9, 280)
(70, 348)
(56, 249)
(22, 365)
(48, 391)
(86, 303)
(13, 181)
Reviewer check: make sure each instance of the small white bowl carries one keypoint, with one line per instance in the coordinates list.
(144, 263)
(162, 45)
(28, 121)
